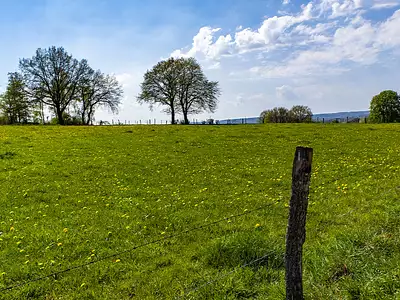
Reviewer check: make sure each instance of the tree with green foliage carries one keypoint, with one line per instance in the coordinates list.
(300, 114)
(54, 76)
(159, 87)
(180, 85)
(385, 107)
(297, 114)
(276, 115)
(14, 103)
(262, 117)
(196, 94)
(98, 90)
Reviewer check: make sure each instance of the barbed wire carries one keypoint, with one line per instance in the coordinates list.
(384, 193)
(156, 241)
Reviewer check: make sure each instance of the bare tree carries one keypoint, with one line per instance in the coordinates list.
(53, 76)
(98, 90)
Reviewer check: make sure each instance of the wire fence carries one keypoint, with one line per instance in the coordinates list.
(361, 118)
(152, 242)
(171, 236)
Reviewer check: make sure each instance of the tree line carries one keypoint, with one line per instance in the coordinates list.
(68, 88)
(384, 108)
(53, 81)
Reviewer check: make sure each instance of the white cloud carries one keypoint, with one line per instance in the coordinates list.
(286, 93)
(295, 58)
(339, 8)
(125, 79)
(384, 4)
(204, 44)
(285, 2)
(360, 43)
(389, 31)
(270, 33)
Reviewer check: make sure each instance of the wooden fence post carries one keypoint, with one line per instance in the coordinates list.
(296, 230)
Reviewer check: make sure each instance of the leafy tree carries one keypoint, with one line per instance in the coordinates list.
(385, 107)
(276, 115)
(98, 90)
(181, 86)
(263, 116)
(53, 76)
(196, 94)
(14, 103)
(297, 114)
(160, 87)
(300, 114)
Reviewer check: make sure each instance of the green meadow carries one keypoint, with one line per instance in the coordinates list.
(74, 195)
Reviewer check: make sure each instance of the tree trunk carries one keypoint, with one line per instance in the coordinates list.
(60, 116)
(83, 118)
(90, 115)
(172, 115)
(42, 111)
(185, 117)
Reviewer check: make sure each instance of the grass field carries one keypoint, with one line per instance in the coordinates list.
(72, 195)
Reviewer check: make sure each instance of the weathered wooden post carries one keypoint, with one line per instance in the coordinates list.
(296, 230)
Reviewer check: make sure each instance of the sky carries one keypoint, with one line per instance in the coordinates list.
(331, 55)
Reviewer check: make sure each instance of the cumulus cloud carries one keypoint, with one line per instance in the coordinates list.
(359, 43)
(315, 23)
(205, 44)
(324, 38)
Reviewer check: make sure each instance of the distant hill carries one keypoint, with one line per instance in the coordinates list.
(342, 115)
(326, 116)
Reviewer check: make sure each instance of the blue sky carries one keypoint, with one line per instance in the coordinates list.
(332, 55)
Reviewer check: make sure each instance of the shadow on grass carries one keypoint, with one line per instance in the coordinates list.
(242, 248)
